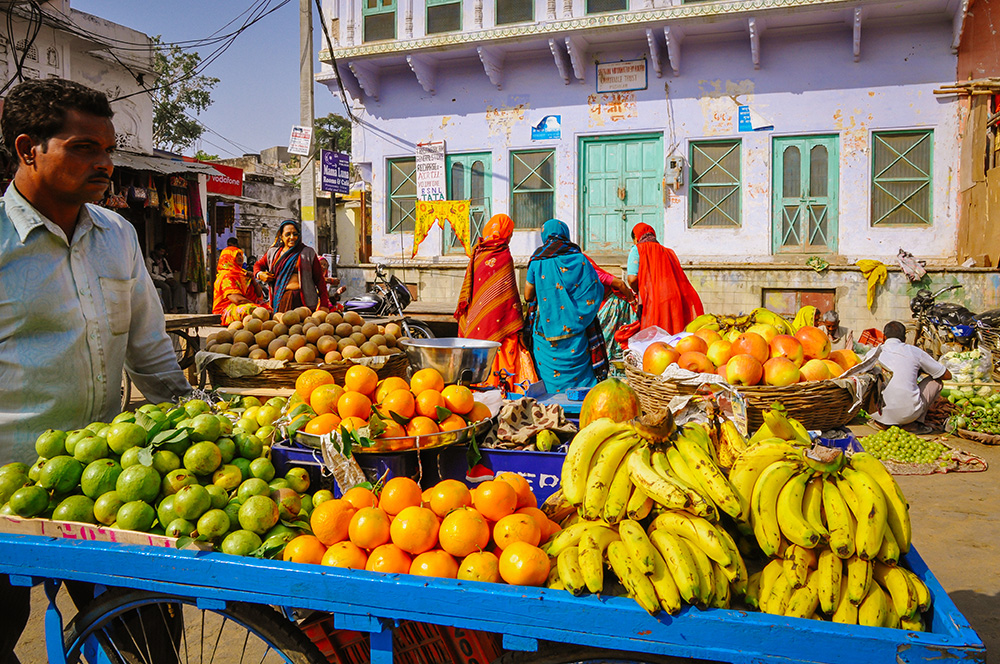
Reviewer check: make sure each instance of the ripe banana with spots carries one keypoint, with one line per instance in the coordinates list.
(602, 472)
(859, 579)
(637, 543)
(697, 530)
(639, 587)
(829, 572)
(695, 446)
(871, 514)
(791, 520)
(839, 521)
(619, 492)
(661, 489)
(704, 321)
(896, 583)
(764, 504)
(580, 454)
(672, 464)
(570, 573)
(749, 466)
(592, 545)
(681, 564)
(898, 516)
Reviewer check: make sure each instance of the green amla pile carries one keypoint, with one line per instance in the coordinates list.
(899, 445)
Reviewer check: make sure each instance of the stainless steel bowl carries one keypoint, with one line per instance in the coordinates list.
(458, 360)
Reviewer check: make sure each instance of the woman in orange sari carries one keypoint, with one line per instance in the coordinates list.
(654, 273)
(234, 295)
(489, 306)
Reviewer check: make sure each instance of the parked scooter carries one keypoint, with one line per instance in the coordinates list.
(943, 327)
(388, 297)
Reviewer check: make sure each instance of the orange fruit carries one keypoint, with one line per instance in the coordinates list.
(369, 528)
(478, 413)
(360, 496)
(494, 499)
(458, 399)
(309, 380)
(322, 424)
(523, 564)
(448, 495)
(354, 404)
(390, 384)
(435, 563)
(428, 402)
(545, 524)
(516, 528)
(401, 402)
(415, 530)
(324, 398)
(390, 559)
(353, 423)
(330, 519)
(463, 531)
(345, 554)
(525, 498)
(479, 566)
(304, 549)
(398, 494)
(426, 379)
(360, 378)
(452, 423)
(421, 426)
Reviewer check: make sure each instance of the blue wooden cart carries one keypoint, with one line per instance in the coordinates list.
(531, 620)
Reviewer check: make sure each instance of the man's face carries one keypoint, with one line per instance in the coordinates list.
(75, 166)
(831, 327)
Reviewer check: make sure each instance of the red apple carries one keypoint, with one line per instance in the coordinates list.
(719, 352)
(722, 372)
(789, 347)
(708, 335)
(765, 330)
(657, 357)
(845, 358)
(744, 370)
(815, 342)
(835, 369)
(815, 370)
(780, 371)
(751, 343)
(691, 343)
(696, 362)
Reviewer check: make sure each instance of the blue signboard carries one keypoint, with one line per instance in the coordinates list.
(335, 170)
(548, 128)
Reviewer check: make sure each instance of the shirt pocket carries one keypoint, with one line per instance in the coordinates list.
(118, 303)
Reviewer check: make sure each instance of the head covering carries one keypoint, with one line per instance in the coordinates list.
(805, 316)
(669, 301)
(499, 227)
(489, 305)
(230, 278)
(643, 233)
(278, 241)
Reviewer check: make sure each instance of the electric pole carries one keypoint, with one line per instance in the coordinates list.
(306, 112)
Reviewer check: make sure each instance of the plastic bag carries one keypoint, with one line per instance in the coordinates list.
(642, 339)
(969, 366)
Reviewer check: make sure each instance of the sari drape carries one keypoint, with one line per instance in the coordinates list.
(668, 298)
(231, 279)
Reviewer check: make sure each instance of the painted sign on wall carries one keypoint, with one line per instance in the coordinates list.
(622, 76)
(431, 182)
(335, 171)
(549, 127)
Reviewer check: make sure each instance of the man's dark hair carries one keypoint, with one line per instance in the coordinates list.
(232, 242)
(894, 330)
(38, 108)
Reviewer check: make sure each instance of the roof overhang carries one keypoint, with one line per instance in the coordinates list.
(148, 162)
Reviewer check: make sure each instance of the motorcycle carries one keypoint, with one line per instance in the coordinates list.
(943, 327)
(388, 297)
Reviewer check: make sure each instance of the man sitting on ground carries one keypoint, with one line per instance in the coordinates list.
(908, 397)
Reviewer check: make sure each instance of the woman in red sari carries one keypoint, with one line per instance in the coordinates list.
(234, 295)
(489, 306)
(654, 273)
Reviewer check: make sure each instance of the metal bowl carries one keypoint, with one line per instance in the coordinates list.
(428, 442)
(458, 360)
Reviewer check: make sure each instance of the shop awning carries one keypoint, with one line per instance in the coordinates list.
(243, 200)
(148, 162)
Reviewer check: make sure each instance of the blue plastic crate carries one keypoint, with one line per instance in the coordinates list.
(542, 470)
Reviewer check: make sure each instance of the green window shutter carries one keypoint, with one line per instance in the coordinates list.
(444, 16)
(379, 19)
(402, 195)
(901, 177)
(715, 184)
(532, 187)
(603, 6)
(515, 11)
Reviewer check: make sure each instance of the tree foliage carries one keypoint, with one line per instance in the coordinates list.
(332, 132)
(179, 89)
(201, 155)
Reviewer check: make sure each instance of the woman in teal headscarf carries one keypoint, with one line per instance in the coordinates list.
(568, 345)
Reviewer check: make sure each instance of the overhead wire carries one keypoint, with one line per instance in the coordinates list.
(333, 63)
(31, 33)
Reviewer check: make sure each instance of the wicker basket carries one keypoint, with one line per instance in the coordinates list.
(395, 365)
(817, 405)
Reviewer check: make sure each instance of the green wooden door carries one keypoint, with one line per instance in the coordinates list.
(805, 196)
(622, 185)
(470, 177)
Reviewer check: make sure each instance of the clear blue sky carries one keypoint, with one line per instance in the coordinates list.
(256, 102)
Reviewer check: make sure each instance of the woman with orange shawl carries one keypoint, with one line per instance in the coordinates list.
(654, 273)
(489, 306)
(234, 295)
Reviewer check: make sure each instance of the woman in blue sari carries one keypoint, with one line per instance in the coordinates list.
(568, 346)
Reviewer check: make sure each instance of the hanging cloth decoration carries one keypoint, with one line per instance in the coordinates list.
(178, 188)
(196, 220)
(875, 272)
(195, 273)
(455, 213)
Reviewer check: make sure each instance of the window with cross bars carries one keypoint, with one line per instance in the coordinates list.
(532, 187)
(715, 184)
(901, 177)
(402, 195)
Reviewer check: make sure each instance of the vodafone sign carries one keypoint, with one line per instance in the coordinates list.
(230, 182)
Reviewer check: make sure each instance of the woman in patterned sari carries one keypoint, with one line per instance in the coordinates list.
(568, 344)
(293, 271)
(234, 295)
(489, 306)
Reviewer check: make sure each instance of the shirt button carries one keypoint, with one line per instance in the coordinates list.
(100, 377)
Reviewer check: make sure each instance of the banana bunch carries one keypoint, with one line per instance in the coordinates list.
(766, 316)
(778, 425)
(721, 323)
(729, 443)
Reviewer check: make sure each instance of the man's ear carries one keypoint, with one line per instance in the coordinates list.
(25, 148)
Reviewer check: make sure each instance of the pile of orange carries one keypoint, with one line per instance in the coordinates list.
(421, 407)
(491, 533)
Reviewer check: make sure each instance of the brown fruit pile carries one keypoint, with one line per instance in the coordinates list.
(305, 337)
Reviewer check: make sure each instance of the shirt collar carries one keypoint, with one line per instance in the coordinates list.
(26, 218)
(892, 340)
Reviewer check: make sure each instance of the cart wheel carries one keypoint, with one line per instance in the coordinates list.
(419, 330)
(141, 627)
(558, 653)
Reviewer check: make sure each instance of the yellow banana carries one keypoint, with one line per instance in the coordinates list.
(781, 592)
(580, 454)
(859, 579)
(568, 564)
(749, 466)
(829, 571)
(565, 538)
(898, 509)
(697, 530)
(901, 591)
(793, 523)
(752, 596)
(737, 570)
(872, 513)
(768, 576)
(812, 507)
(838, 520)
(639, 587)
(570, 519)
(847, 611)
(664, 585)
(923, 592)
(695, 445)
(703, 321)
(659, 488)
(801, 433)
(637, 542)
(721, 594)
(873, 608)
(804, 600)
(912, 624)
(639, 505)
(761, 434)
(592, 545)
(680, 563)
(699, 501)
(777, 423)
(891, 616)
(798, 564)
(888, 553)
(602, 472)
(732, 437)
(764, 504)
(619, 492)
(706, 584)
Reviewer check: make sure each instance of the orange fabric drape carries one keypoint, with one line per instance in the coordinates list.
(668, 298)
